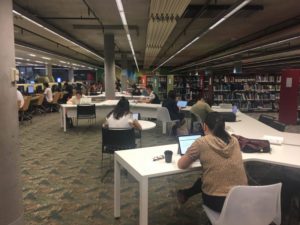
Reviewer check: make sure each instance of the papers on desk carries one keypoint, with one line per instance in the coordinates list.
(275, 140)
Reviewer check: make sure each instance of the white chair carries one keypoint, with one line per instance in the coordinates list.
(249, 205)
(163, 115)
(225, 106)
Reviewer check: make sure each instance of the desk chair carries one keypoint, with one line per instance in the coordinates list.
(24, 113)
(163, 115)
(196, 124)
(249, 205)
(277, 125)
(54, 106)
(266, 119)
(86, 112)
(38, 106)
(114, 140)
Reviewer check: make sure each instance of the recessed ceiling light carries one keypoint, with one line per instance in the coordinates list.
(19, 58)
(33, 55)
(47, 58)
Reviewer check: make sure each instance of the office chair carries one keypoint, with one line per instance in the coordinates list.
(114, 140)
(86, 112)
(277, 125)
(266, 119)
(54, 106)
(163, 115)
(196, 124)
(38, 106)
(249, 205)
(24, 113)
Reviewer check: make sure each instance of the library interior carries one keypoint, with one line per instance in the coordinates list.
(164, 112)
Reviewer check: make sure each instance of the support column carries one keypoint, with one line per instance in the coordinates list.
(71, 75)
(109, 65)
(124, 76)
(49, 70)
(11, 210)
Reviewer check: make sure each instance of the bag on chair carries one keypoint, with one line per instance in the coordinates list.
(253, 145)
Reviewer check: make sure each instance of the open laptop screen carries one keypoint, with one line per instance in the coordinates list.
(185, 142)
(182, 104)
(135, 116)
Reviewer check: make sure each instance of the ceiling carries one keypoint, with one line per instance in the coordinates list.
(159, 29)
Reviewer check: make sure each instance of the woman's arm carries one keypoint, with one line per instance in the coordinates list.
(136, 124)
(184, 162)
(191, 155)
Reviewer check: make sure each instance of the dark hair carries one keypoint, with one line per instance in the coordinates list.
(78, 93)
(216, 124)
(46, 84)
(172, 95)
(121, 109)
(149, 86)
(200, 96)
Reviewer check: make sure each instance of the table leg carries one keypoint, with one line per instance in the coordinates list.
(164, 127)
(117, 178)
(64, 118)
(144, 201)
(61, 118)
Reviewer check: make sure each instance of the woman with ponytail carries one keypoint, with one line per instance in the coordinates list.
(221, 160)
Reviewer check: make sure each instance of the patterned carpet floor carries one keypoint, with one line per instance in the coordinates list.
(61, 180)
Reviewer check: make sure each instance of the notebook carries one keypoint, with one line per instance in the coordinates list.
(184, 142)
(182, 104)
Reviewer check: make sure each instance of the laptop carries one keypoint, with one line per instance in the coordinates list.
(182, 104)
(85, 101)
(184, 142)
(135, 116)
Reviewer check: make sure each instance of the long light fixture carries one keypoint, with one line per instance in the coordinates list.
(53, 32)
(229, 14)
(125, 25)
(242, 51)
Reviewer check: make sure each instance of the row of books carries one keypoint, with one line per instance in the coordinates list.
(247, 96)
(246, 87)
(248, 79)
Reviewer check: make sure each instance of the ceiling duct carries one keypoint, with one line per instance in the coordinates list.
(163, 17)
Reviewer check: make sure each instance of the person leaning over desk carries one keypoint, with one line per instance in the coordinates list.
(121, 117)
(75, 100)
(201, 108)
(221, 160)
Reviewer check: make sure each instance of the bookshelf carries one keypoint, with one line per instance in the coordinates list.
(187, 87)
(253, 92)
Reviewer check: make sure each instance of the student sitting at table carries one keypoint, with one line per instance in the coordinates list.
(221, 160)
(20, 99)
(153, 97)
(135, 91)
(201, 108)
(75, 100)
(121, 117)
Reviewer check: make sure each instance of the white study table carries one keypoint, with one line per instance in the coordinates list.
(118, 95)
(139, 163)
(147, 125)
(103, 108)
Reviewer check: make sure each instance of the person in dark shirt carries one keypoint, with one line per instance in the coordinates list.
(171, 104)
(135, 90)
(153, 97)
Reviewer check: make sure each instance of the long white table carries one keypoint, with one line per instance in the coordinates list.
(103, 108)
(139, 162)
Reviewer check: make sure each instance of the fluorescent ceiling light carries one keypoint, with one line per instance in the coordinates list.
(32, 55)
(206, 31)
(19, 58)
(47, 58)
(125, 25)
(51, 31)
(38, 61)
(62, 61)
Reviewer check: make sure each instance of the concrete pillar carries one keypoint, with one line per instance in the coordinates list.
(124, 77)
(71, 75)
(109, 65)
(11, 210)
(49, 70)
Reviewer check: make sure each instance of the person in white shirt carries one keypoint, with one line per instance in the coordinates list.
(75, 100)
(48, 93)
(20, 99)
(121, 117)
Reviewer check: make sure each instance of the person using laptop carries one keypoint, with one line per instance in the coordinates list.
(201, 108)
(75, 100)
(153, 97)
(121, 117)
(221, 160)
(171, 104)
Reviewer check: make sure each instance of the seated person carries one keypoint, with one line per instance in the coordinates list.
(153, 97)
(121, 117)
(201, 108)
(20, 99)
(48, 93)
(75, 100)
(221, 160)
(135, 90)
(93, 89)
(171, 104)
